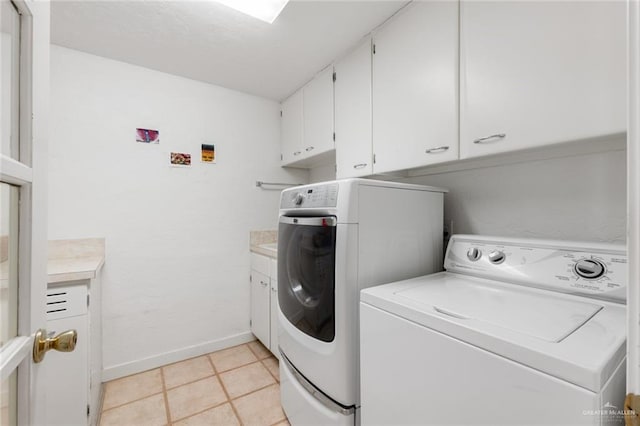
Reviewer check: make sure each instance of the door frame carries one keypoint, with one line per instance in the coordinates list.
(30, 174)
(633, 198)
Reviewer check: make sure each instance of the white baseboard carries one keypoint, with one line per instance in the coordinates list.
(138, 366)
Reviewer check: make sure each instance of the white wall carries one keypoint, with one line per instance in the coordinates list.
(575, 198)
(175, 282)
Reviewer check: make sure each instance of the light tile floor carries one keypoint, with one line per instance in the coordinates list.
(234, 386)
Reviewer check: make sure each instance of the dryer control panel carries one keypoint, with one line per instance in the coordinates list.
(588, 269)
(310, 196)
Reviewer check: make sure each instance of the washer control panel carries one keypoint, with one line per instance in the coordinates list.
(590, 269)
(310, 196)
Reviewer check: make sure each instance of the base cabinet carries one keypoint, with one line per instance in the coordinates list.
(74, 379)
(264, 301)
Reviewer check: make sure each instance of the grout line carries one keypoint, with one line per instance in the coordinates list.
(224, 389)
(270, 372)
(130, 402)
(166, 397)
(202, 411)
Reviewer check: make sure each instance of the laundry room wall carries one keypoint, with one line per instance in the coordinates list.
(578, 197)
(175, 282)
(556, 195)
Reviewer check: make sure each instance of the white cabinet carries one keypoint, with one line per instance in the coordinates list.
(415, 87)
(260, 306)
(318, 114)
(264, 301)
(74, 379)
(307, 123)
(354, 156)
(538, 73)
(292, 128)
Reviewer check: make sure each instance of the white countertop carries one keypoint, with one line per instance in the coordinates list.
(269, 249)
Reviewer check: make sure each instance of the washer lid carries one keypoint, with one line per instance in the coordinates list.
(542, 316)
(573, 338)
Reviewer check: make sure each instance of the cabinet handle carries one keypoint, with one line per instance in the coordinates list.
(263, 284)
(297, 153)
(359, 166)
(488, 138)
(437, 150)
(273, 289)
(309, 148)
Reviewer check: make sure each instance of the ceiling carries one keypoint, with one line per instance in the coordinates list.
(207, 41)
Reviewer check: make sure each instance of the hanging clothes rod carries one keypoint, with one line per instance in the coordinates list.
(260, 184)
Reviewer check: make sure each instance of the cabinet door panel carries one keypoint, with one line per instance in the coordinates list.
(353, 114)
(292, 128)
(540, 73)
(260, 306)
(415, 87)
(274, 319)
(318, 114)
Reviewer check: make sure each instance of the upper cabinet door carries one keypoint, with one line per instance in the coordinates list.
(292, 128)
(415, 87)
(353, 113)
(538, 73)
(318, 114)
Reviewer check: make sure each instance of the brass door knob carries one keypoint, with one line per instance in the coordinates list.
(63, 342)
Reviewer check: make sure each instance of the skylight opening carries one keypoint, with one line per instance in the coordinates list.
(264, 10)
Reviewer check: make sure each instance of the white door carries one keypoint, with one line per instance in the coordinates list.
(24, 74)
(354, 155)
(536, 73)
(415, 87)
(318, 114)
(292, 128)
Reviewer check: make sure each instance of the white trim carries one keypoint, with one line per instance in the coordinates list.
(13, 353)
(133, 367)
(633, 200)
(14, 172)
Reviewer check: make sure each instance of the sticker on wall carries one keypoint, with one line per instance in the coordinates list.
(148, 136)
(208, 153)
(180, 159)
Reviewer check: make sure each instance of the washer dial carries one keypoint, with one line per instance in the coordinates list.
(497, 257)
(589, 268)
(474, 254)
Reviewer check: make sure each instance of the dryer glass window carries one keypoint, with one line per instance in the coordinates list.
(306, 275)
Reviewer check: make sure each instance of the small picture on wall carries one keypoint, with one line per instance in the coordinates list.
(208, 153)
(180, 159)
(147, 136)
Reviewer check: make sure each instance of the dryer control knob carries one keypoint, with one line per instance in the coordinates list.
(496, 257)
(298, 198)
(474, 254)
(589, 268)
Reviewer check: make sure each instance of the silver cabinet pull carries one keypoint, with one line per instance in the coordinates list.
(359, 166)
(437, 150)
(274, 290)
(489, 138)
(309, 148)
(263, 284)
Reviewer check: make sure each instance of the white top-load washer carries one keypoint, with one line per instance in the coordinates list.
(334, 239)
(525, 332)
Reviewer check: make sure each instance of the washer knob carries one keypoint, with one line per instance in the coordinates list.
(473, 254)
(298, 198)
(589, 268)
(496, 257)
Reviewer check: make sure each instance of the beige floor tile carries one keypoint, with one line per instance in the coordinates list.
(148, 412)
(233, 357)
(194, 397)
(222, 415)
(284, 423)
(259, 349)
(246, 379)
(273, 366)
(187, 371)
(131, 388)
(261, 407)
